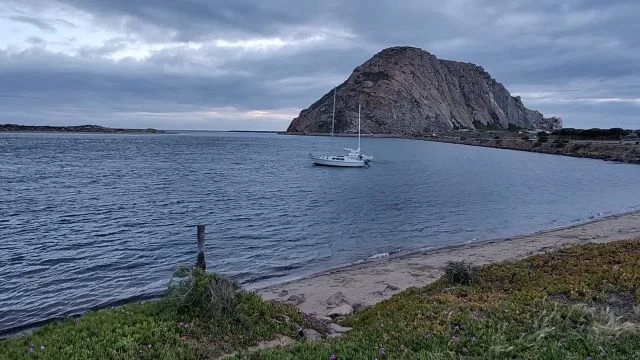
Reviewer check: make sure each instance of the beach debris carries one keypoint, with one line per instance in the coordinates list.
(311, 335)
(283, 293)
(333, 357)
(358, 307)
(337, 299)
(334, 335)
(279, 341)
(389, 289)
(342, 310)
(335, 328)
(295, 299)
(185, 325)
(283, 319)
(392, 287)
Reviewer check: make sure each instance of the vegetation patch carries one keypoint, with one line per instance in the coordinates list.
(560, 143)
(593, 134)
(543, 136)
(202, 316)
(489, 126)
(513, 127)
(460, 272)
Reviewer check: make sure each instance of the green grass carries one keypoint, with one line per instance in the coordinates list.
(576, 303)
(201, 317)
(549, 306)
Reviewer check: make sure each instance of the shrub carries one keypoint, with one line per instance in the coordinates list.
(223, 314)
(526, 137)
(460, 272)
(196, 293)
(560, 143)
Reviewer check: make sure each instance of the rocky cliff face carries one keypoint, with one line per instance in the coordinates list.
(406, 90)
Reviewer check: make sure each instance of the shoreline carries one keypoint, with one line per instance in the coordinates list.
(606, 151)
(374, 280)
(587, 149)
(401, 253)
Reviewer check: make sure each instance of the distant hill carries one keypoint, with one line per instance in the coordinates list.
(406, 90)
(79, 128)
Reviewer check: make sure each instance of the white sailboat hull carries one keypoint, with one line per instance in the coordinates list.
(337, 161)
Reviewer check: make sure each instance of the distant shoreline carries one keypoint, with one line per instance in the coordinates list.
(96, 129)
(618, 151)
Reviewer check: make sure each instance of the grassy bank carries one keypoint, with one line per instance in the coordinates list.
(577, 303)
(201, 317)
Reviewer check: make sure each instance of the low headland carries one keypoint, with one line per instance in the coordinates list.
(75, 129)
(568, 142)
(570, 292)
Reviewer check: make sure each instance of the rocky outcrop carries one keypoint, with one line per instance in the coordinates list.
(406, 90)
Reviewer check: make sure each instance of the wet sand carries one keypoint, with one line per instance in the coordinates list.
(376, 280)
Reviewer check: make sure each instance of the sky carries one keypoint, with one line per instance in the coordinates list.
(253, 65)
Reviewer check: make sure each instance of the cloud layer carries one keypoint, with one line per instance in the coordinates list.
(238, 64)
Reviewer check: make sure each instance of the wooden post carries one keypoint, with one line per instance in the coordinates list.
(200, 263)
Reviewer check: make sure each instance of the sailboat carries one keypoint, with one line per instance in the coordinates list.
(353, 159)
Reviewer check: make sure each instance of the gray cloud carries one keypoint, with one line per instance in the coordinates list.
(196, 19)
(41, 24)
(560, 56)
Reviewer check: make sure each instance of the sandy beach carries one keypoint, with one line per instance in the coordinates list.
(376, 280)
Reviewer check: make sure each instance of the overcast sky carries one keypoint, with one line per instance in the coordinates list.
(238, 64)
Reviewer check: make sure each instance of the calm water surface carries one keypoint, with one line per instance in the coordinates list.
(86, 220)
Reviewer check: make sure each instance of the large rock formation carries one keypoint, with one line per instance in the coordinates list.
(406, 90)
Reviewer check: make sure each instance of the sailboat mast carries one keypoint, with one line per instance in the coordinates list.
(333, 119)
(358, 127)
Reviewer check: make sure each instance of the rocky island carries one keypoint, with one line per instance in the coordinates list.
(408, 91)
(79, 128)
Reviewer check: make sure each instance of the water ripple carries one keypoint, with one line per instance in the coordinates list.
(92, 220)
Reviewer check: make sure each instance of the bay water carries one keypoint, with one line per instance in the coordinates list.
(88, 220)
